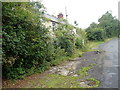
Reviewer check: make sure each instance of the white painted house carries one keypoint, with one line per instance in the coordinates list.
(52, 22)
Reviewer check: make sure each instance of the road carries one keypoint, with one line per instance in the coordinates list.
(110, 66)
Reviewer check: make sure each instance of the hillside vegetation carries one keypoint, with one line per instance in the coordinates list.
(28, 47)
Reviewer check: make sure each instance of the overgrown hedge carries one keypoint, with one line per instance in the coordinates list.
(27, 45)
(25, 40)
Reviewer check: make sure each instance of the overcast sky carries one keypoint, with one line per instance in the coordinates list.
(83, 11)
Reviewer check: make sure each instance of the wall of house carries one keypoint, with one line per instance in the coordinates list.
(49, 24)
(74, 31)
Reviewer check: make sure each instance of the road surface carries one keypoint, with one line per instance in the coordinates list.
(110, 66)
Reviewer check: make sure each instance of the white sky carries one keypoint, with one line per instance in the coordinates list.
(83, 11)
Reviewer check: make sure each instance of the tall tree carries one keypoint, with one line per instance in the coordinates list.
(109, 23)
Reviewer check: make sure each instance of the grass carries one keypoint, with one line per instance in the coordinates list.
(97, 82)
(84, 71)
(60, 81)
(77, 53)
(94, 59)
(94, 44)
(60, 60)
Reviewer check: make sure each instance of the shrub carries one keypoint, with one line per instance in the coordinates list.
(26, 43)
(96, 34)
(65, 41)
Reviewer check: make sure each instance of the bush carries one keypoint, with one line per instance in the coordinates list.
(65, 41)
(97, 34)
(79, 43)
(26, 43)
(14, 73)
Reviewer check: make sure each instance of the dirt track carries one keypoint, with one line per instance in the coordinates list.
(68, 69)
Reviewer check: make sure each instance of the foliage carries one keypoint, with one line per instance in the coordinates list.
(79, 43)
(80, 39)
(108, 27)
(65, 39)
(26, 43)
(110, 24)
(92, 25)
(60, 81)
(97, 82)
(28, 46)
(84, 71)
(96, 34)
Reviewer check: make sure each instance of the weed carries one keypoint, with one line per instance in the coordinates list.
(96, 84)
(94, 59)
(84, 70)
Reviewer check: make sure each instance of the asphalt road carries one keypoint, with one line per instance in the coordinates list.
(110, 66)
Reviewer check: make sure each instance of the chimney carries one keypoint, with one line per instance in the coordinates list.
(60, 15)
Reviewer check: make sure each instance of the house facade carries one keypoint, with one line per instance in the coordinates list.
(52, 23)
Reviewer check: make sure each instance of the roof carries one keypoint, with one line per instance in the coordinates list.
(52, 18)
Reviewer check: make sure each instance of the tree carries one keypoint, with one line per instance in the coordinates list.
(110, 24)
(96, 34)
(108, 27)
(92, 25)
(65, 39)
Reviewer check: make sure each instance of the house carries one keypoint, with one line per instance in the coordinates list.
(52, 20)
(52, 23)
(73, 31)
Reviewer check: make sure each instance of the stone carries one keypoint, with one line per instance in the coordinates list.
(75, 75)
(83, 84)
(63, 72)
